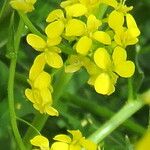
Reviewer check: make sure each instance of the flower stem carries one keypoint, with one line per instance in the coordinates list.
(127, 111)
(11, 88)
(29, 24)
(101, 111)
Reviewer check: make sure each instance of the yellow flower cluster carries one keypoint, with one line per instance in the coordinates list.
(64, 142)
(98, 46)
(40, 81)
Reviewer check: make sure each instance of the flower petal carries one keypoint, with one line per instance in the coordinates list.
(55, 15)
(22, 6)
(76, 134)
(75, 27)
(59, 145)
(40, 141)
(51, 111)
(43, 80)
(83, 45)
(102, 37)
(115, 15)
(76, 10)
(36, 42)
(62, 138)
(103, 84)
(54, 29)
(132, 26)
(53, 59)
(125, 69)
(37, 67)
(29, 95)
(46, 96)
(93, 23)
(119, 55)
(54, 42)
(102, 58)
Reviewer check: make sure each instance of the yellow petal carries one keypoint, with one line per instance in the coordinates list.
(43, 80)
(76, 134)
(37, 97)
(51, 111)
(102, 58)
(74, 64)
(36, 42)
(83, 45)
(76, 10)
(54, 42)
(55, 15)
(103, 84)
(102, 37)
(29, 95)
(89, 145)
(75, 147)
(132, 26)
(46, 96)
(93, 23)
(22, 6)
(115, 15)
(62, 138)
(54, 29)
(60, 145)
(75, 27)
(40, 141)
(37, 67)
(53, 59)
(125, 69)
(72, 68)
(132, 41)
(119, 55)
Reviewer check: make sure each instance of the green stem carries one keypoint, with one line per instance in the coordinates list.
(3, 9)
(11, 88)
(29, 24)
(24, 121)
(127, 111)
(130, 90)
(40, 119)
(101, 111)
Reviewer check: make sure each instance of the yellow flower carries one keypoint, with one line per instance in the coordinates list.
(124, 36)
(75, 62)
(119, 6)
(64, 142)
(40, 92)
(144, 143)
(78, 142)
(84, 44)
(23, 5)
(48, 48)
(41, 142)
(58, 23)
(105, 81)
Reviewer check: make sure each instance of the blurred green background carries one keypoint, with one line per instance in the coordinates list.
(80, 106)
